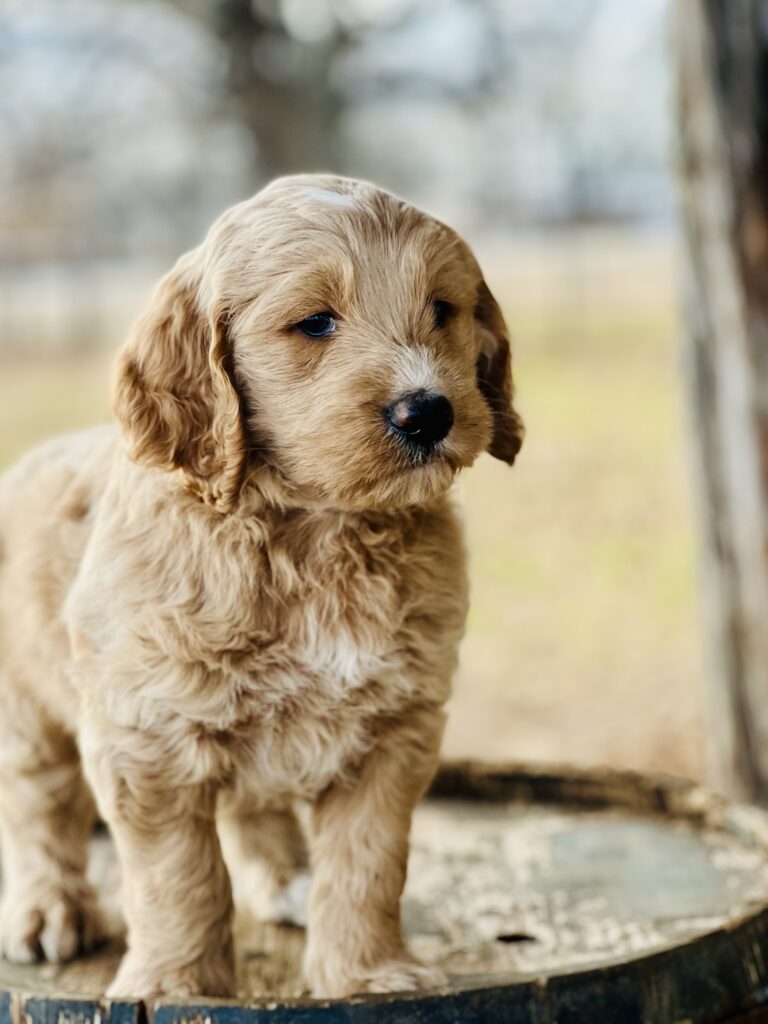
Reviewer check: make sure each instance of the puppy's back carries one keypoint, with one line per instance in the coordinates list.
(47, 503)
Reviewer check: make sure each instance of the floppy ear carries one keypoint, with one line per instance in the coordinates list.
(175, 397)
(494, 376)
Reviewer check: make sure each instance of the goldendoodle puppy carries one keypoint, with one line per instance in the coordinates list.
(249, 597)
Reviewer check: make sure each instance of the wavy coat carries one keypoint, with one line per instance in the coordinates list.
(247, 598)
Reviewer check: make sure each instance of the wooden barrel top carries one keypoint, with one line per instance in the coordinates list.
(549, 897)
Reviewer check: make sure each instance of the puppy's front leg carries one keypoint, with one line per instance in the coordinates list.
(359, 853)
(176, 893)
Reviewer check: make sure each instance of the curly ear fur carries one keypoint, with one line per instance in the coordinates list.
(175, 397)
(494, 376)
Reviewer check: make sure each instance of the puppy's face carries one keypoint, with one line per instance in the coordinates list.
(350, 339)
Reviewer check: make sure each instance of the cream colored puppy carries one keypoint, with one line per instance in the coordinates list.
(251, 595)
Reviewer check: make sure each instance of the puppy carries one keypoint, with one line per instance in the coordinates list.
(250, 597)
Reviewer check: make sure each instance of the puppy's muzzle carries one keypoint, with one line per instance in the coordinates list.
(421, 419)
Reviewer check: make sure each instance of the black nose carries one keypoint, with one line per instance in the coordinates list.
(421, 418)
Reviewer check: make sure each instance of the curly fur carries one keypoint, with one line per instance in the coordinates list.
(247, 599)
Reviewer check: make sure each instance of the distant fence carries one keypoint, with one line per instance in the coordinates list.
(69, 306)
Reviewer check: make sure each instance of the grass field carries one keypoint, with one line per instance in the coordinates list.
(582, 642)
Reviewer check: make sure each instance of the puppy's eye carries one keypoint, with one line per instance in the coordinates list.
(319, 325)
(440, 311)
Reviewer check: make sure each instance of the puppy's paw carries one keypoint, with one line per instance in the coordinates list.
(50, 923)
(149, 978)
(403, 974)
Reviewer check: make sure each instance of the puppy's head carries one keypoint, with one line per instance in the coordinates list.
(329, 335)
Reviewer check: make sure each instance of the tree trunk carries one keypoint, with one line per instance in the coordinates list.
(722, 64)
(282, 90)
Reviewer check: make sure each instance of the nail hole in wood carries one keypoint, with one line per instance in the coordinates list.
(510, 937)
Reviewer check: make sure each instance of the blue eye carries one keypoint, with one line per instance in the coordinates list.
(319, 325)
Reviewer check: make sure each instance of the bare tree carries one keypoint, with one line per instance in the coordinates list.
(282, 87)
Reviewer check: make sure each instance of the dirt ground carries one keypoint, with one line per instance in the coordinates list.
(583, 639)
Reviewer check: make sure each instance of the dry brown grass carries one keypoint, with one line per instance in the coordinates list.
(582, 643)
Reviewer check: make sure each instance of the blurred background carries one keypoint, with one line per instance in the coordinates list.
(542, 131)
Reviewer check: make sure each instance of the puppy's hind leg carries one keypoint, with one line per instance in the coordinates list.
(49, 911)
(267, 857)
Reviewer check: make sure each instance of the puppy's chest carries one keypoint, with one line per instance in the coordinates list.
(315, 627)
(316, 657)
(271, 654)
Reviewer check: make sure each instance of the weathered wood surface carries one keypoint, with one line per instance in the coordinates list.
(722, 64)
(547, 897)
